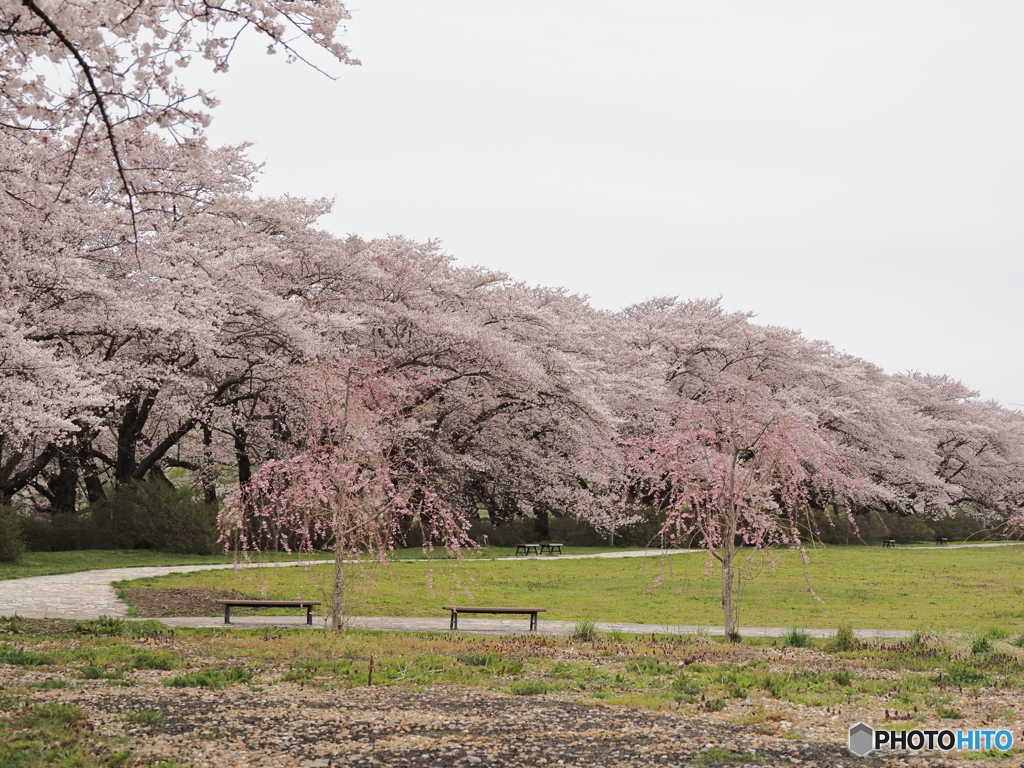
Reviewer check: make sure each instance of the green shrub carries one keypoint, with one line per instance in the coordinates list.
(508, 535)
(797, 638)
(584, 630)
(960, 527)
(961, 674)
(646, 532)
(842, 678)
(62, 533)
(11, 542)
(575, 533)
(981, 645)
(156, 515)
(876, 525)
(843, 641)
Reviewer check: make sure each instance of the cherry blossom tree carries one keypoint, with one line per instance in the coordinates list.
(720, 437)
(350, 485)
(978, 447)
(737, 468)
(163, 334)
(97, 74)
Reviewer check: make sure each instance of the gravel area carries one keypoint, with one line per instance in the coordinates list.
(284, 724)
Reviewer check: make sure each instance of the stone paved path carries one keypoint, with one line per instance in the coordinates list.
(88, 594)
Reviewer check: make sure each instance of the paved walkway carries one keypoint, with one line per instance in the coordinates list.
(518, 626)
(88, 594)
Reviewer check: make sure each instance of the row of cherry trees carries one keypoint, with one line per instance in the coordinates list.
(190, 345)
(156, 314)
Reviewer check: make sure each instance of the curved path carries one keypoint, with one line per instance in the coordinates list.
(89, 594)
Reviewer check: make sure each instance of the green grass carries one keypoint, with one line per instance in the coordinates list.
(22, 658)
(717, 755)
(585, 630)
(211, 678)
(48, 563)
(57, 735)
(153, 718)
(966, 590)
(797, 638)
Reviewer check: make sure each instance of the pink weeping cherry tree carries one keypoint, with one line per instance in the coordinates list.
(737, 470)
(348, 484)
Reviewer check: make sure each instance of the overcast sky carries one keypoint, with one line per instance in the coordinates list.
(853, 170)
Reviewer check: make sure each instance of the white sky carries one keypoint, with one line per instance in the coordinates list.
(853, 170)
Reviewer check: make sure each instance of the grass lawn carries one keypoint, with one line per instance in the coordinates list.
(47, 563)
(933, 589)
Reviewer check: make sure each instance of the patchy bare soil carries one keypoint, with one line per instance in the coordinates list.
(156, 603)
(287, 725)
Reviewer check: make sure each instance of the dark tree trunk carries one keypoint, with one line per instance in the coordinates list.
(241, 438)
(156, 472)
(64, 485)
(12, 481)
(208, 471)
(540, 524)
(133, 421)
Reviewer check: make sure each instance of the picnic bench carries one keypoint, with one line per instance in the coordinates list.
(538, 549)
(941, 541)
(307, 604)
(888, 543)
(457, 609)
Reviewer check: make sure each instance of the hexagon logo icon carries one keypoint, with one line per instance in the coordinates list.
(862, 737)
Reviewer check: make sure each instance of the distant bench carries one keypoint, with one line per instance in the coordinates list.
(538, 549)
(457, 609)
(941, 541)
(307, 604)
(888, 543)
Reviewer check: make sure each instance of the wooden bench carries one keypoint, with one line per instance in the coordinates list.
(941, 541)
(525, 549)
(457, 609)
(888, 543)
(307, 604)
(551, 548)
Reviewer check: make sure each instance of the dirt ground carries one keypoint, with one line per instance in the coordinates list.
(155, 603)
(291, 726)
